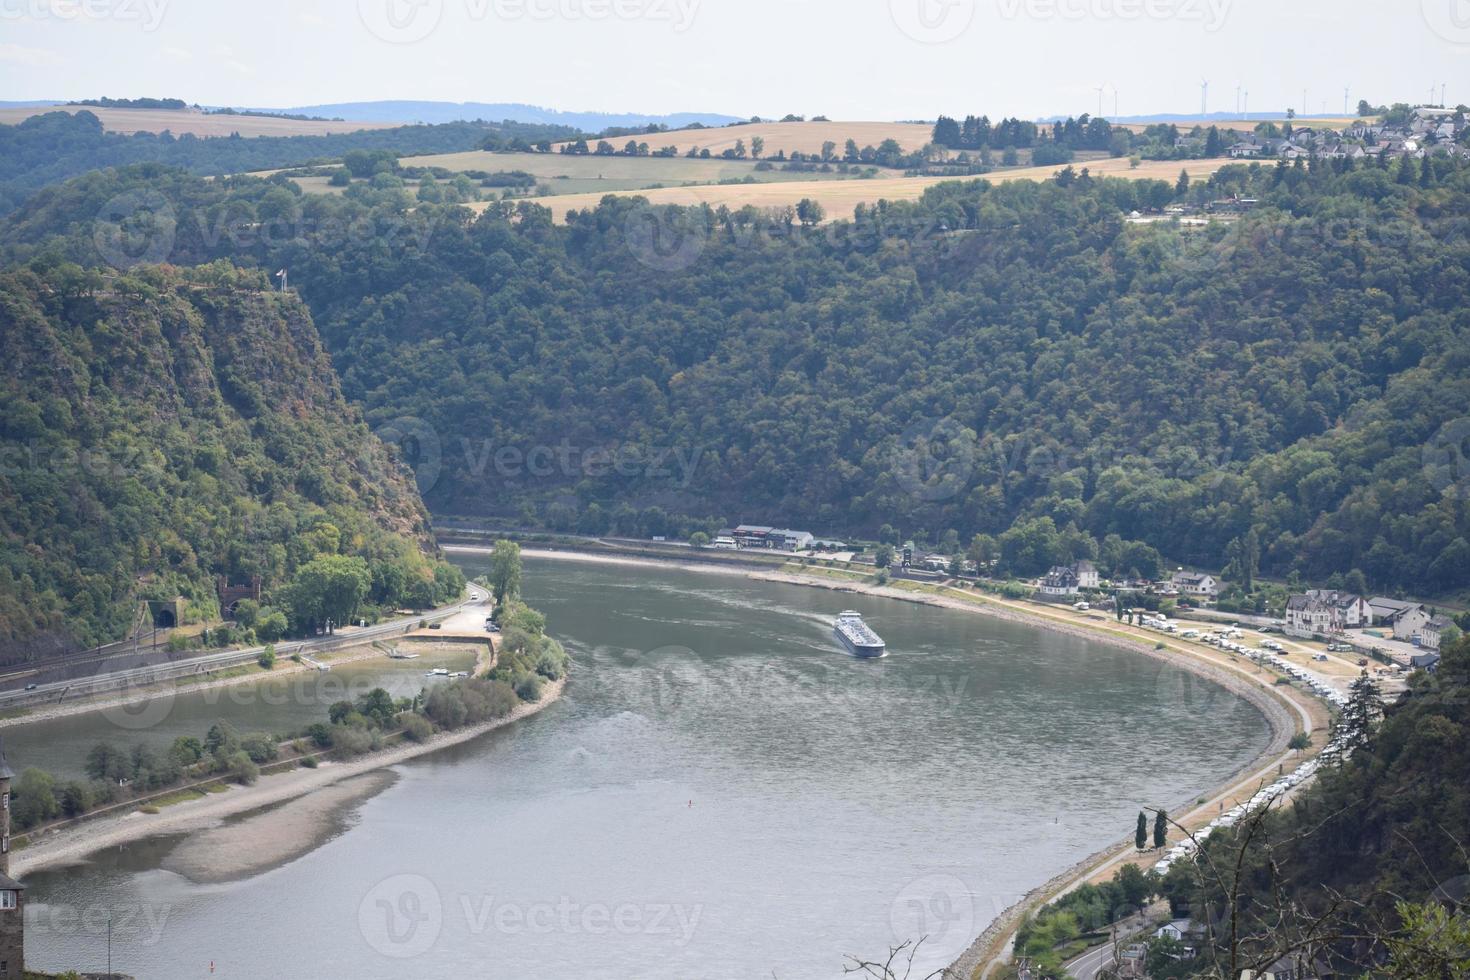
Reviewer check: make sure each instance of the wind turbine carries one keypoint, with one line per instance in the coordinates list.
(1345, 90)
(1204, 95)
(1237, 98)
(1115, 102)
(1099, 97)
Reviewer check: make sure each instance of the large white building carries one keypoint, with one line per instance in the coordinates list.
(1326, 611)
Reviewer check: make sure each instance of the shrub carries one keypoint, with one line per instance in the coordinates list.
(417, 727)
(75, 799)
(528, 688)
(271, 626)
(267, 658)
(102, 793)
(309, 762)
(320, 735)
(186, 750)
(241, 769)
(349, 741)
(259, 746)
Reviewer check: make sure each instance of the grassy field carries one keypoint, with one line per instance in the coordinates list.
(806, 137)
(180, 121)
(839, 197)
(1309, 122)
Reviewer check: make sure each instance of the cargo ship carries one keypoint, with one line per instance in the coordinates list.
(858, 636)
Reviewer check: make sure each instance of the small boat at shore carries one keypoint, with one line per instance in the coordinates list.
(858, 636)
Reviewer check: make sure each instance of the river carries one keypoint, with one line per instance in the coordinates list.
(721, 793)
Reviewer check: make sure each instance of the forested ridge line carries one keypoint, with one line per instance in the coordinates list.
(1018, 362)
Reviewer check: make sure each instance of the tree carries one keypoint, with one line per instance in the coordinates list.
(33, 798)
(1434, 942)
(757, 146)
(699, 540)
(1161, 828)
(505, 571)
(810, 212)
(1140, 834)
(378, 707)
(883, 557)
(186, 750)
(1181, 186)
(329, 587)
(982, 551)
(1299, 742)
(267, 658)
(1244, 554)
(1361, 713)
(107, 762)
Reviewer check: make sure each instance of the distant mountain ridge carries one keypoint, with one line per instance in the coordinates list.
(441, 112)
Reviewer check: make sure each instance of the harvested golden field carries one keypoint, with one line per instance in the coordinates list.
(806, 137)
(839, 197)
(181, 121)
(566, 174)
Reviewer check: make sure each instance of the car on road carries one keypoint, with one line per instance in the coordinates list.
(32, 687)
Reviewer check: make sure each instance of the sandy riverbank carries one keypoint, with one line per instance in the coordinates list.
(273, 836)
(608, 558)
(73, 844)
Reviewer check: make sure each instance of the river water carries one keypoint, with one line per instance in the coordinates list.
(721, 793)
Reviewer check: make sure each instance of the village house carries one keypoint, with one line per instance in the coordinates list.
(1306, 616)
(1404, 618)
(1429, 635)
(1065, 581)
(1325, 611)
(1086, 572)
(1198, 584)
(1059, 584)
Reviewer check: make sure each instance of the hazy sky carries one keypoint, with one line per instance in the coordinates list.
(849, 59)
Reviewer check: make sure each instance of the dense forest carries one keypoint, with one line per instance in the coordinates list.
(163, 428)
(1018, 361)
(53, 146)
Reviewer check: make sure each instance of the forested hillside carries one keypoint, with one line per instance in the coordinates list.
(163, 428)
(1016, 361)
(57, 145)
